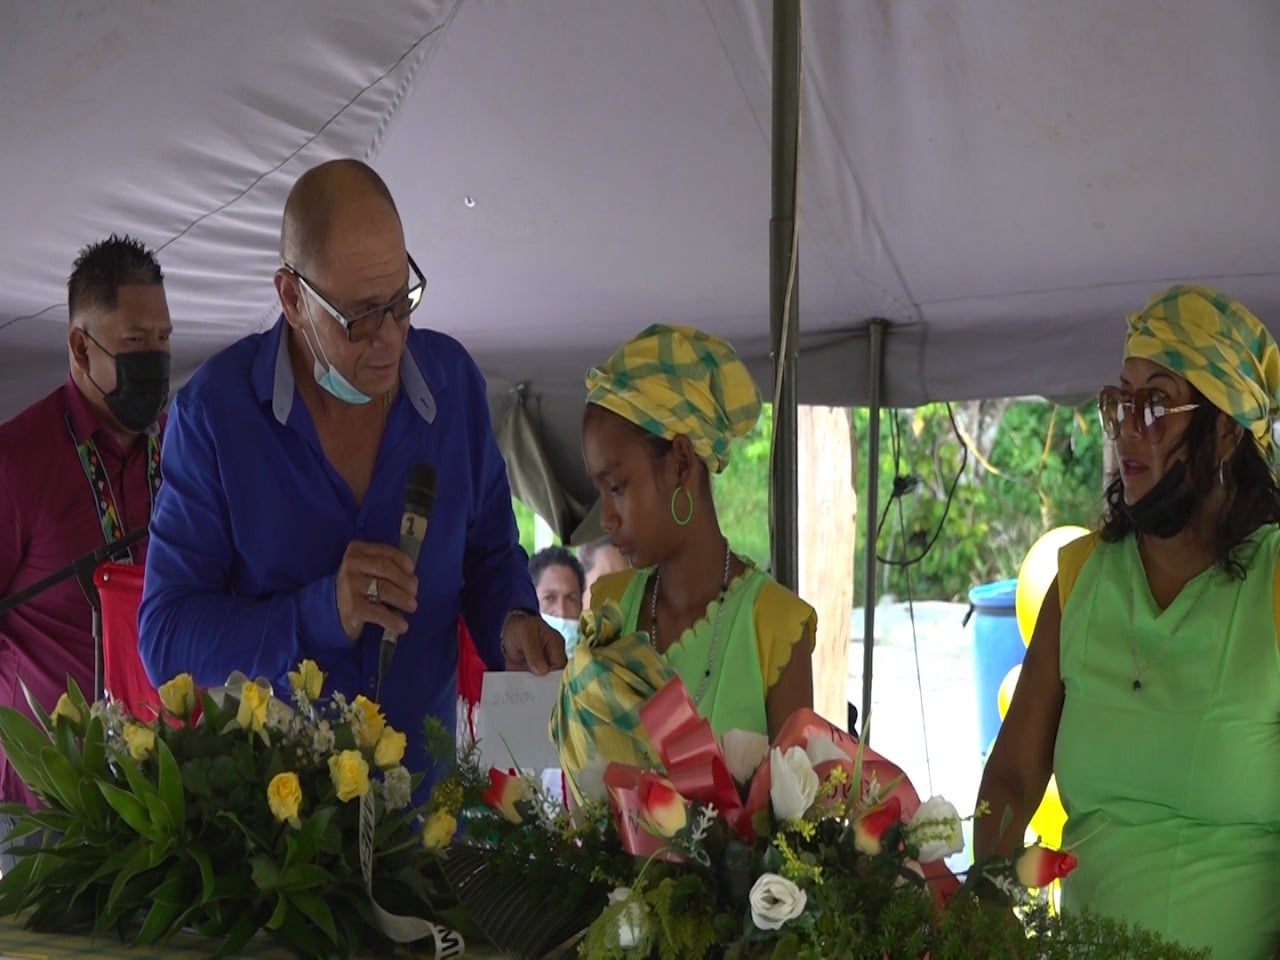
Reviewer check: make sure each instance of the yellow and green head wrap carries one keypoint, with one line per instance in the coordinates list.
(1219, 346)
(678, 381)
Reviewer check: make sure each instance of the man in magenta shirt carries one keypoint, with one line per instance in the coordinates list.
(79, 469)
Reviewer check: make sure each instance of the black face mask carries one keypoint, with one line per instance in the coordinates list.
(1166, 507)
(142, 386)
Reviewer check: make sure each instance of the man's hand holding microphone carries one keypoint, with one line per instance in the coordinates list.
(376, 583)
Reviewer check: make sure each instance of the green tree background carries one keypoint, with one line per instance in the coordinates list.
(1031, 466)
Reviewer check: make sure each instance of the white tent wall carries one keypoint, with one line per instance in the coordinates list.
(1001, 180)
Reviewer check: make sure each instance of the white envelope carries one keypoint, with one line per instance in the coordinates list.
(511, 722)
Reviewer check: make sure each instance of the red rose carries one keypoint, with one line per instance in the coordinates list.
(1039, 866)
(871, 826)
(663, 809)
(506, 790)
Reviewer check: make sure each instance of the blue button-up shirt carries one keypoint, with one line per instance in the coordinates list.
(252, 523)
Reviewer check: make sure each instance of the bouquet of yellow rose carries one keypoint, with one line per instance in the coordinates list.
(233, 812)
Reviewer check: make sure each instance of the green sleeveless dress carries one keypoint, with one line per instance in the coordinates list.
(1172, 791)
(760, 622)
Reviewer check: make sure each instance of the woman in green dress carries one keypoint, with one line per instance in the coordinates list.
(660, 416)
(1151, 685)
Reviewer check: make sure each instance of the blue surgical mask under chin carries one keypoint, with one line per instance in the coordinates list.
(327, 376)
(569, 629)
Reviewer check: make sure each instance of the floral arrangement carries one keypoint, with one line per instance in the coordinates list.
(233, 812)
(811, 846)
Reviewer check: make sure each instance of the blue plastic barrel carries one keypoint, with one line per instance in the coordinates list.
(997, 649)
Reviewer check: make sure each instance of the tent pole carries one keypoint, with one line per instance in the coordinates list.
(784, 320)
(870, 509)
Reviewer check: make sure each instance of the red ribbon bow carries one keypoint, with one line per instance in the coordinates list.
(697, 770)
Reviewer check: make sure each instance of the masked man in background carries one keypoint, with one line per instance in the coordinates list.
(78, 469)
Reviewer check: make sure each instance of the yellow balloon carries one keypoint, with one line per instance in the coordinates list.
(1004, 696)
(1038, 569)
(1049, 818)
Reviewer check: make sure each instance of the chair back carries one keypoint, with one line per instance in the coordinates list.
(124, 677)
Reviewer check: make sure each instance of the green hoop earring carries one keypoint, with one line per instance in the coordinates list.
(675, 516)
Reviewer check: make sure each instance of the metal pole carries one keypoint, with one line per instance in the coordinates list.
(784, 320)
(870, 510)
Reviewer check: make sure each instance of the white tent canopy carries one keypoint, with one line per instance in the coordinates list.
(1002, 180)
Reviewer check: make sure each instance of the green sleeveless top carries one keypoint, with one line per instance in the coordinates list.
(760, 623)
(1172, 791)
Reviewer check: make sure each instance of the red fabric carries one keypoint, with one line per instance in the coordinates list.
(120, 588)
(470, 675)
(470, 667)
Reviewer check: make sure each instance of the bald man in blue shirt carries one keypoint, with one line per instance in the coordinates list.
(286, 461)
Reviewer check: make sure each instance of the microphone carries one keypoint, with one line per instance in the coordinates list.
(419, 498)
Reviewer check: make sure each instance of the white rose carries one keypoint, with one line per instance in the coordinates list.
(633, 922)
(774, 901)
(935, 830)
(744, 751)
(793, 783)
(822, 748)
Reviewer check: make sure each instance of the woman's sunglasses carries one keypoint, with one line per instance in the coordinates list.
(1146, 408)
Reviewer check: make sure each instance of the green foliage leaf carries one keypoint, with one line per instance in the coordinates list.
(305, 844)
(94, 752)
(61, 778)
(77, 696)
(304, 876)
(205, 866)
(195, 778)
(240, 933)
(171, 899)
(142, 787)
(314, 909)
(37, 709)
(138, 861)
(265, 872)
(64, 738)
(23, 744)
(279, 915)
(162, 826)
(170, 784)
(131, 810)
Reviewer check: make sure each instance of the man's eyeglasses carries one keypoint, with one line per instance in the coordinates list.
(365, 325)
(1147, 408)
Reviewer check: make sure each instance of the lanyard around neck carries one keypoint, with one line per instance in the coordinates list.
(104, 498)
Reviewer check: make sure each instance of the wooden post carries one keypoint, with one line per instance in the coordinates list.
(827, 513)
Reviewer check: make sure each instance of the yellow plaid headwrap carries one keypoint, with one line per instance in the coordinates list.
(1219, 346)
(678, 381)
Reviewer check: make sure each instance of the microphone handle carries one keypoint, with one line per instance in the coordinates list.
(413, 528)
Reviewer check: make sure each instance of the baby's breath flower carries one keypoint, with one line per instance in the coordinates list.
(395, 788)
(322, 740)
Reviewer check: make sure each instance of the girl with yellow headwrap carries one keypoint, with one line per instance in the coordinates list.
(1151, 687)
(661, 414)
